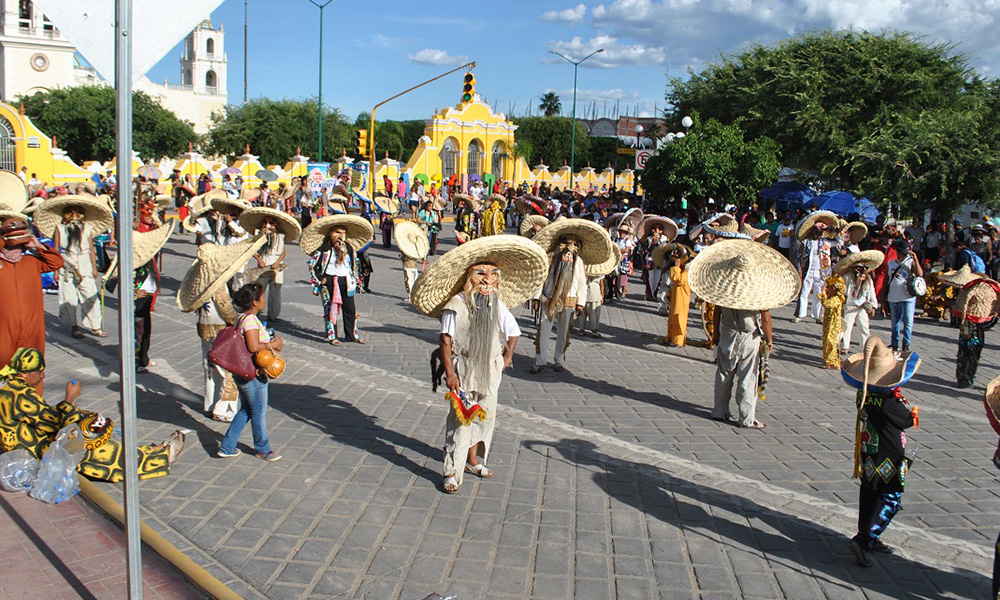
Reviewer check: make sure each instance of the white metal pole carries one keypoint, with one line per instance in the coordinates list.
(126, 303)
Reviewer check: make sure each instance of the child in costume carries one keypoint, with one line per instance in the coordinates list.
(832, 297)
(881, 460)
(975, 307)
(680, 297)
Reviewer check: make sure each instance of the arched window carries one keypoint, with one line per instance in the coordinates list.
(475, 158)
(449, 152)
(210, 46)
(211, 81)
(498, 155)
(7, 146)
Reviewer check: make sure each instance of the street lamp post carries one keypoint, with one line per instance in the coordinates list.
(320, 6)
(638, 147)
(572, 148)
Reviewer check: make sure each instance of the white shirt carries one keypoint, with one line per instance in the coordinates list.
(508, 324)
(897, 285)
(785, 233)
(23, 176)
(149, 284)
(203, 227)
(339, 269)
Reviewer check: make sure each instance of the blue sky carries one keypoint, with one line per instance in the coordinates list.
(373, 50)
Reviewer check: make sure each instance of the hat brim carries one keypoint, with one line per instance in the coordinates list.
(13, 192)
(853, 372)
(871, 259)
(496, 198)
(608, 266)
(386, 204)
(743, 275)
(359, 232)
(522, 262)
(529, 222)
(220, 203)
(669, 227)
(411, 239)
(830, 219)
(252, 219)
(200, 284)
(50, 213)
(991, 401)
(596, 246)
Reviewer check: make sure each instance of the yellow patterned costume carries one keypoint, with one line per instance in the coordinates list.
(493, 220)
(833, 318)
(27, 422)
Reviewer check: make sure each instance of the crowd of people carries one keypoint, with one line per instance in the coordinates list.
(575, 252)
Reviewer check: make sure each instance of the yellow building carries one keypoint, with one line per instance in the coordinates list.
(23, 144)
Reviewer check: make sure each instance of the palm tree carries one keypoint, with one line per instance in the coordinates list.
(550, 104)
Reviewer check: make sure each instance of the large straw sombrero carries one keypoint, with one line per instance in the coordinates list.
(145, 245)
(596, 247)
(522, 262)
(857, 231)
(978, 301)
(757, 235)
(221, 202)
(496, 198)
(411, 239)
(991, 401)
(253, 218)
(959, 278)
(338, 203)
(529, 222)
(606, 267)
(871, 259)
(743, 275)
(96, 213)
(199, 205)
(669, 227)
(820, 216)
(13, 192)
(162, 201)
(531, 205)
(723, 225)
(613, 220)
(659, 254)
(213, 268)
(248, 195)
(359, 232)
(470, 202)
(438, 203)
(386, 204)
(878, 368)
(631, 219)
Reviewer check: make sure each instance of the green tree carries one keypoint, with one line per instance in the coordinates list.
(713, 160)
(889, 115)
(550, 139)
(550, 104)
(83, 121)
(275, 128)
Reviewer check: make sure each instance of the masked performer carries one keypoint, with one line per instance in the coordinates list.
(817, 233)
(861, 302)
(832, 297)
(470, 288)
(493, 217)
(278, 228)
(413, 249)
(466, 218)
(975, 309)
(653, 231)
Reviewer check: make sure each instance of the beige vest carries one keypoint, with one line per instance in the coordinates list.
(482, 379)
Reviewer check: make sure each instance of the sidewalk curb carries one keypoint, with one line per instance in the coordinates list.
(194, 573)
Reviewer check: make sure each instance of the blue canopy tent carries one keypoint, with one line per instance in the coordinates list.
(787, 195)
(844, 204)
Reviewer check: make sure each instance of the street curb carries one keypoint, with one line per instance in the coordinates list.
(193, 572)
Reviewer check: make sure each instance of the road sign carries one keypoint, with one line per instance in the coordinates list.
(640, 159)
(626, 151)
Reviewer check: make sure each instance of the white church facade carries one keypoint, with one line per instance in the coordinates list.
(34, 56)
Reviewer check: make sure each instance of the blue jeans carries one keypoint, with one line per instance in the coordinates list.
(253, 408)
(902, 319)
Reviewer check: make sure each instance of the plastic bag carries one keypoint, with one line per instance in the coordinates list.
(57, 479)
(18, 470)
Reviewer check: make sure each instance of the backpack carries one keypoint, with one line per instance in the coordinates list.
(975, 261)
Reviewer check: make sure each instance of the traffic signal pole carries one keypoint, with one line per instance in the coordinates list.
(371, 127)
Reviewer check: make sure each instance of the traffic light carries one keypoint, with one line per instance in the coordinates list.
(362, 142)
(469, 89)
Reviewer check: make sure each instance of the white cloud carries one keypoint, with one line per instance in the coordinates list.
(697, 31)
(437, 58)
(614, 54)
(573, 16)
(612, 95)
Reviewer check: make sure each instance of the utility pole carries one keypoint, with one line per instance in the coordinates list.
(245, 2)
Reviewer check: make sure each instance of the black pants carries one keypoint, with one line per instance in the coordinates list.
(433, 243)
(996, 570)
(306, 218)
(348, 312)
(143, 330)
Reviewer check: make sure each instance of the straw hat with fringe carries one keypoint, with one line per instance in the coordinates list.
(960, 277)
(523, 265)
(991, 401)
(253, 218)
(871, 259)
(496, 198)
(470, 202)
(97, 213)
(831, 220)
(359, 232)
(13, 192)
(386, 204)
(646, 226)
(411, 239)
(857, 231)
(529, 223)
(743, 275)
(606, 267)
(213, 268)
(596, 243)
(757, 235)
(877, 368)
(531, 205)
(660, 254)
(978, 301)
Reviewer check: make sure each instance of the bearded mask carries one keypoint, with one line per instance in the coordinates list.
(568, 246)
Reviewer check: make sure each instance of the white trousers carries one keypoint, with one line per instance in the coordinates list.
(591, 315)
(562, 322)
(221, 396)
(854, 314)
(79, 302)
(459, 438)
(812, 284)
(409, 279)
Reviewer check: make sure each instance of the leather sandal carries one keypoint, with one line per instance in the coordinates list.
(479, 470)
(450, 484)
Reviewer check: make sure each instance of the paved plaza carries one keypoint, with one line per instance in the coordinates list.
(611, 480)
